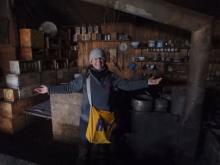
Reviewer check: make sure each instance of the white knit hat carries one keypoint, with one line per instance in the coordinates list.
(96, 53)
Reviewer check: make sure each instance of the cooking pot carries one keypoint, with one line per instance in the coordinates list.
(161, 104)
(142, 102)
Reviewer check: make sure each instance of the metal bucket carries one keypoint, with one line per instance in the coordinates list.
(142, 102)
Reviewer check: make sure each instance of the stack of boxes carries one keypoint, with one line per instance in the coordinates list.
(31, 44)
(30, 71)
(17, 96)
(87, 33)
(103, 33)
(23, 77)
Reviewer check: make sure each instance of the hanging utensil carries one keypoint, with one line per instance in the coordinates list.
(113, 58)
(123, 47)
(116, 64)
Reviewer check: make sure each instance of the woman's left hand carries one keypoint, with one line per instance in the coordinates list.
(153, 81)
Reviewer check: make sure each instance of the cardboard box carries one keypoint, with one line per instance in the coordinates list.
(31, 38)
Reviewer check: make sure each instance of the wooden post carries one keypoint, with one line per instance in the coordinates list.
(192, 115)
(201, 42)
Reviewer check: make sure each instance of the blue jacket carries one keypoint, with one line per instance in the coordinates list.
(101, 91)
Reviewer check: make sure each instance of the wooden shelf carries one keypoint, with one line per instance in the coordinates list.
(106, 41)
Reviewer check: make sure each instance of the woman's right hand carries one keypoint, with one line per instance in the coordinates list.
(41, 90)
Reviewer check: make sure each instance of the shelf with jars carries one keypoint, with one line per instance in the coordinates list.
(131, 50)
(169, 61)
(121, 55)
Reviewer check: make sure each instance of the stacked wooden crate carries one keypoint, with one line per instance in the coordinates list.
(17, 96)
(20, 81)
(31, 44)
(12, 116)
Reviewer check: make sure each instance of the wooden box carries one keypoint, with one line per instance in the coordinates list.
(26, 53)
(31, 38)
(17, 94)
(30, 54)
(10, 94)
(66, 110)
(18, 67)
(10, 110)
(12, 116)
(26, 79)
(14, 125)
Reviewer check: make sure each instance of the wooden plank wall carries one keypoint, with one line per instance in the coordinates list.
(139, 33)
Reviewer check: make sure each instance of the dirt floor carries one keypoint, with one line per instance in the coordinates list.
(35, 144)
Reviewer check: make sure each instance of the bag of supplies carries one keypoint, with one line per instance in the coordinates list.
(100, 126)
(100, 123)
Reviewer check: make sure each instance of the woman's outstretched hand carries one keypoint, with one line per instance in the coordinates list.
(41, 90)
(154, 81)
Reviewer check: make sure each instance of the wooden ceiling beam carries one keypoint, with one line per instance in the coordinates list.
(159, 11)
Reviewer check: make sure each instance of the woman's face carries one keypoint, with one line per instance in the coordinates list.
(98, 63)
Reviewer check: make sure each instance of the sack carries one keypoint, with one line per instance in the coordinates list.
(100, 126)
